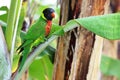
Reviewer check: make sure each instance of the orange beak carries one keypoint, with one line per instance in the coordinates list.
(53, 15)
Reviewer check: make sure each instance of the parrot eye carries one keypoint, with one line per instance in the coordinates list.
(49, 13)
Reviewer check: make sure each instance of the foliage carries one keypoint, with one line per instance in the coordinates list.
(110, 66)
(106, 26)
(4, 16)
(11, 20)
(44, 72)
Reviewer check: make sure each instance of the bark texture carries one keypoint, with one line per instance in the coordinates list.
(70, 9)
(87, 44)
(77, 49)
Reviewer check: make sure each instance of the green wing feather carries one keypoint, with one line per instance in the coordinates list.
(36, 30)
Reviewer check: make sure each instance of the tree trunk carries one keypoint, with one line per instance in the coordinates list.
(79, 51)
(70, 9)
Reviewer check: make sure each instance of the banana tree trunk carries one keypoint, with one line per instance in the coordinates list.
(79, 51)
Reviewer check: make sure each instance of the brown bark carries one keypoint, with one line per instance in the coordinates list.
(76, 47)
(69, 9)
(85, 42)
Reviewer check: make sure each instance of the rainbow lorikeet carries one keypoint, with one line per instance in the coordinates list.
(36, 34)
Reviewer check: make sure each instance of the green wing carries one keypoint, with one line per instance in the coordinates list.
(36, 30)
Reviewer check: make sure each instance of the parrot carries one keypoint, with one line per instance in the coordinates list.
(37, 33)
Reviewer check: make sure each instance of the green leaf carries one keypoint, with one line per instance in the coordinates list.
(11, 23)
(20, 24)
(4, 25)
(4, 16)
(110, 66)
(4, 8)
(107, 26)
(41, 69)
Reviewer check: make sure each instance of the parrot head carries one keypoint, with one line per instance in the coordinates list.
(49, 13)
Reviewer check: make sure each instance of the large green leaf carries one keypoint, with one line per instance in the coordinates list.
(41, 69)
(107, 26)
(110, 66)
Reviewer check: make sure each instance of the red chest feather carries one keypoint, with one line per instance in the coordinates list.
(48, 27)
